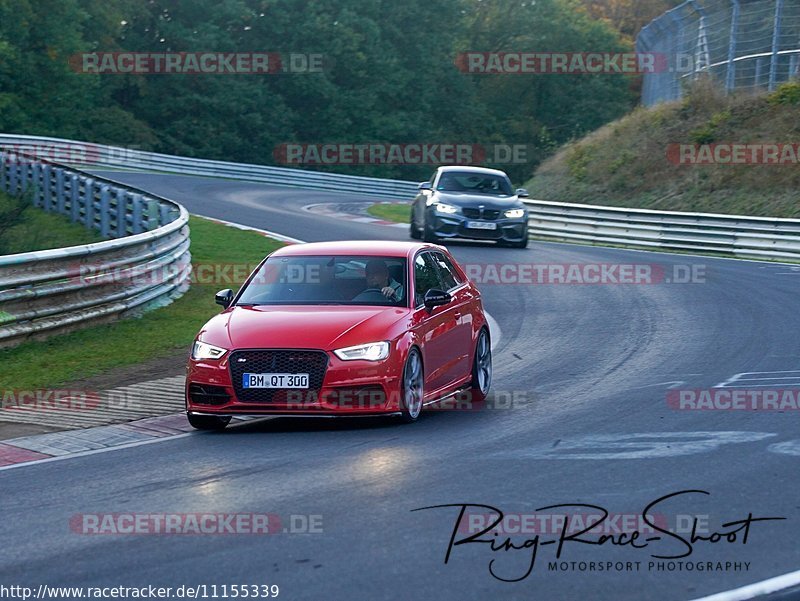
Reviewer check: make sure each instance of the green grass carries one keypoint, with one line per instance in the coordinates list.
(625, 163)
(399, 212)
(40, 231)
(162, 332)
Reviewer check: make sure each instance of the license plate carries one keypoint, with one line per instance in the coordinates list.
(274, 380)
(481, 225)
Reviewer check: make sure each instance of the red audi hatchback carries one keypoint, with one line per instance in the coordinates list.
(341, 328)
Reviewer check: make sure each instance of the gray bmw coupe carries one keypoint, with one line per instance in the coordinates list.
(470, 202)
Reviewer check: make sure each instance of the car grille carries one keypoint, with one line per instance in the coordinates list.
(314, 363)
(489, 214)
(465, 232)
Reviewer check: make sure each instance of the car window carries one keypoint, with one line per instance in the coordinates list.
(447, 272)
(474, 183)
(425, 277)
(330, 279)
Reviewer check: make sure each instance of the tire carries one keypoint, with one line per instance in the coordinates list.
(413, 388)
(412, 229)
(428, 235)
(208, 422)
(481, 368)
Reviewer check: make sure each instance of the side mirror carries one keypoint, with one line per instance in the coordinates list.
(435, 298)
(224, 297)
(522, 193)
(424, 186)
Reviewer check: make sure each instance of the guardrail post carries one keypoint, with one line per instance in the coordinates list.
(105, 205)
(163, 214)
(19, 179)
(152, 214)
(12, 177)
(47, 188)
(87, 202)
(75, 198)
(136, 213)
(122, 213)
(60, 191)
(30, 176)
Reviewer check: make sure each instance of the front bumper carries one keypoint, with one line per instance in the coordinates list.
(457, 226)
(344, 388)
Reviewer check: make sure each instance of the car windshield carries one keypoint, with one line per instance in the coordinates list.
(467, 182)
(328, 280)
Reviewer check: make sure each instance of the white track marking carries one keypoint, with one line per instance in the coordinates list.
(672, 384)
(740, 380)
(239, 226)
(788, 447)
(751, 591)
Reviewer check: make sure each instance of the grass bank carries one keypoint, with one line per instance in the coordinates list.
(634, 162)
(391, 211)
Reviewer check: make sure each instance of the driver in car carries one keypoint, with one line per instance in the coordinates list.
(378, 278)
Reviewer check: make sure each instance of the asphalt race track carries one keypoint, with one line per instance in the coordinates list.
(588, 368)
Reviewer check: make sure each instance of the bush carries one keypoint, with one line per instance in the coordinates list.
(786, 94)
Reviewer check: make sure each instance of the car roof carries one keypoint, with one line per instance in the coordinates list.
(471, 169)
(370, 248)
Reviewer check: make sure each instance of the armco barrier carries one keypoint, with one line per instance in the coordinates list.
(732, 235)
(145, 265)
(97, 155)
(738, 236)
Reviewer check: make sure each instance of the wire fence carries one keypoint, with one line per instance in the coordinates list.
(741, 44)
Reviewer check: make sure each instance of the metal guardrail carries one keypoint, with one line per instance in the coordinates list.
(98, 155)
(146, 265)
(731, 235)
(762, 238)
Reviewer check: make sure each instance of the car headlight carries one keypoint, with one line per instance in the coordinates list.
(515, 213)
(443, 207)
(372, 351)
(202, 350)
